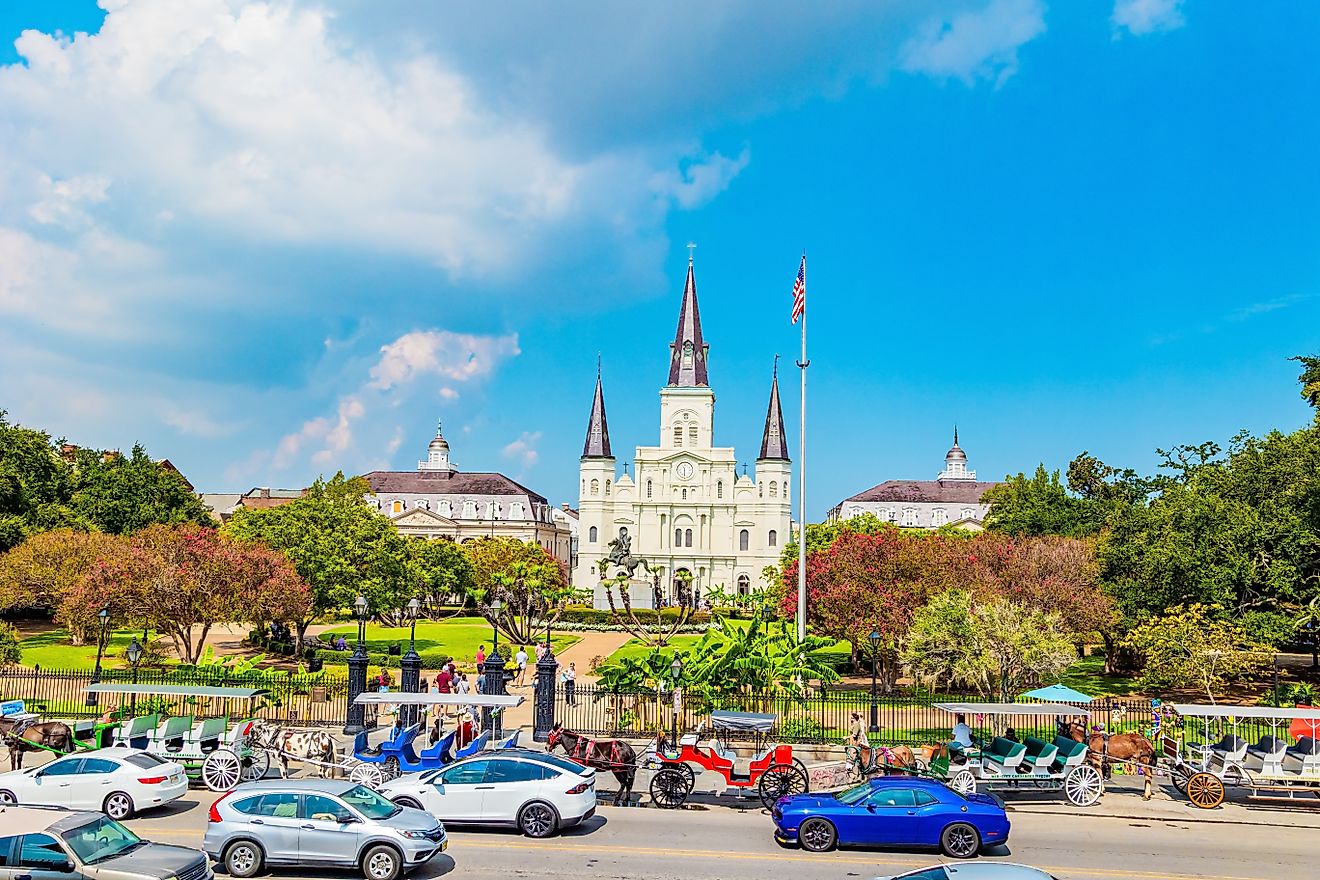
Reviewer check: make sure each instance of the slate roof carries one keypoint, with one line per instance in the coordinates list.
(446, 483)
(774, 445)
(681, 373)
(597, 444)
(928, 491)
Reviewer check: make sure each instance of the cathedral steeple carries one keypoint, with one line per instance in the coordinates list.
(598, 429)
(688, 352)
(774, 446)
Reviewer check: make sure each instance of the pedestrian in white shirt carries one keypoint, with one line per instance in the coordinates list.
(962, 734)
(521, 659)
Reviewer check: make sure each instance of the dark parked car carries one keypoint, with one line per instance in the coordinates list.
(893, 811)
(50, 842)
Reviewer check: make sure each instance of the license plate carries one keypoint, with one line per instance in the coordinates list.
(176, 778)
(444, 844)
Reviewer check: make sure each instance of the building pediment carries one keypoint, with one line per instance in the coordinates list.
(423, 518)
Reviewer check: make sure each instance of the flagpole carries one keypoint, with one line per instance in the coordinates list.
(802, 471)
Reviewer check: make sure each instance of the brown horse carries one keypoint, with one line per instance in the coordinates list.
(872, 760)
(46, 735)
(1104, 748)
(613, 755)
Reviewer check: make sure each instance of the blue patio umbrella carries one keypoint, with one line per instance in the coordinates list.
(1058, 693)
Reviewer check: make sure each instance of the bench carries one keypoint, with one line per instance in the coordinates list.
(1040, 755)
(438, 751)
(138, 732)
(1003, 754)
(174, 735)
(1229, 750)
(1266, 756)
(1070, 753)
(475, 746)
(1304, 757)
(209, 734)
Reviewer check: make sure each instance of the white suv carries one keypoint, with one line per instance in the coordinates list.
(536, 793)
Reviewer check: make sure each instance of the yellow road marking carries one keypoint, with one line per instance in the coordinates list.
(563, 845)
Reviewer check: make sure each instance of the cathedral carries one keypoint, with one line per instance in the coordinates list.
(685, 509)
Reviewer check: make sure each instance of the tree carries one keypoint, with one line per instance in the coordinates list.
(1194, 645)
(36, 485)
(42, 570)
(1310, 380)
(758, 658)
(122, 494)
(181, 581)
(1040, 505)
(525, 578)
(338, 545)
(996, 646)
(11, 652)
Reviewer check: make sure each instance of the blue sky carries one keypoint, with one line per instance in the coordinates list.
(270, 240)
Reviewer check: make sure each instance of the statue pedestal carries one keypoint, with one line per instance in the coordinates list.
(640, 594)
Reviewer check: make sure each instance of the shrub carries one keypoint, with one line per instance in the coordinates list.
(11, 654)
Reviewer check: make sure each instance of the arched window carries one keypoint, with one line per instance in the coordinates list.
(648, 488)
(678, 537)
(516, 510)
(591, 534)
(607, 487)
(421, 505)
(678, 436)
(909, 516)
(968, 513)
(469, 510)
(939, 517)
(687, 538)
(744, 538)
(692, 435)
(396, 507)
(595, 487)
(685, 494)
(772, 540)
(491, 511)
(855, 511)
(445, 509)
(744, 585)
(719, 488)
(774, 489)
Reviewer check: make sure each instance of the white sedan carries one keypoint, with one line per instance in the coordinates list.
(118, 781)
(536, 793)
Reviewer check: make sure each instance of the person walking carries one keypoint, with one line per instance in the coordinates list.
(481, 659)
(521, 659)
(569, 677)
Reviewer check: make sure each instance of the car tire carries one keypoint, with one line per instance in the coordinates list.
(817, 835)
(538, 819)
(960, 841)
(243, 858)
(118, 806)
(7, 797)
(382, 862)
(408, 802)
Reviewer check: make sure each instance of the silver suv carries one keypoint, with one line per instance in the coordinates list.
(51, 843)
(319, 823)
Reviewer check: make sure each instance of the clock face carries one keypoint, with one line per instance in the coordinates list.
(684, 470)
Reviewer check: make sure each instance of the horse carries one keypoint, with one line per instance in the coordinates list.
(301, 744)
(54, 735)
(892, 759)
(613, 755)
(1126, 747)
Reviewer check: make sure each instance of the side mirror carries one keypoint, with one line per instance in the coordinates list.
(346, 819)
(39, 774)
(439, 787)
(870, 808)
(65, 867)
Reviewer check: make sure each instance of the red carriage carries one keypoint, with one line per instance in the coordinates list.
(772, 770)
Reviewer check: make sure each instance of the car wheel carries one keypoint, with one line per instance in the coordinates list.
(243, 859)
(537, 820)
(960, 841)
(118, 806)
(382, 863)
(408, 802)
(817, 835)
(7, 797)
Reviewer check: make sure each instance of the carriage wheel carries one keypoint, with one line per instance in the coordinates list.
(1083, 786)
(1205, 790)
(221, 770)
(782, 780)
(255, 766)
(669, 788)
(369, 775)
(963, 782)
(391, 768)
(689, 777)
(1179, 778)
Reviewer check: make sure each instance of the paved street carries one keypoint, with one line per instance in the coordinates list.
(717, 842)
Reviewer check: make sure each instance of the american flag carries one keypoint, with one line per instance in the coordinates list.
(800, 291)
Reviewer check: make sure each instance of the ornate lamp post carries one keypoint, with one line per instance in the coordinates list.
(544, 696)
(410, 667)
(676, 671)
(490, 718)
(357, 672)
(874, 639)
(134, 657)
(104, 616)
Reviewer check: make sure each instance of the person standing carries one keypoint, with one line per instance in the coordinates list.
(569, 676)
(521, 659)
(444, 682)
(481, 659)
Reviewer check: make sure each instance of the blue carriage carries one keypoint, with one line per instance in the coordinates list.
(398, 753)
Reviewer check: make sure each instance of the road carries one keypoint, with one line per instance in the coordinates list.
(723, 844)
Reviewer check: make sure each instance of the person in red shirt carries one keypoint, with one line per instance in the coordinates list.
(481, 659)
(444, 682)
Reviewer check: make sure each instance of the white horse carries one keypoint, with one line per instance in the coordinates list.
(302, 744)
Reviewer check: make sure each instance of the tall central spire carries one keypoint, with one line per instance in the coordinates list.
(774, 445)
(598, 430)
(687, 353)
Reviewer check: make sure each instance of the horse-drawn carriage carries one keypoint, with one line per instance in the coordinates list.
(998, 762)
(24, 731)
(219, 754)
(1270, 768)
(398, 754)
(772, 770)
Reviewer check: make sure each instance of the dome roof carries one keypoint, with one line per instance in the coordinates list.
(955, 454)
(439, 443)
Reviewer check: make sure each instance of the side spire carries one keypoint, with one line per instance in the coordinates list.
(774, 446)
(598, 429)
(688, 352)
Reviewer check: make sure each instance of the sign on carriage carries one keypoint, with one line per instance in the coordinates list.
(11, 708)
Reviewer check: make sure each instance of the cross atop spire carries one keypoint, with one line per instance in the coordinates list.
(774, 446)
(598, 429)
(688, 352)
(691, 246)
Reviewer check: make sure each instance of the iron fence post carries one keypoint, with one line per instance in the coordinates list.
(544, 696)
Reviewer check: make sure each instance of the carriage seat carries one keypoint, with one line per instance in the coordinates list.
(438, 751)
(174, 735)
(477, 745)
(717, 748)
(1004, 753)
(1266, 755)
(138, 733)
(1304, 757)
(688, 739)
(1229, 750)
(1069, 753)
(1040, 754)
(361, 748)
(209, 734)
(510, 741)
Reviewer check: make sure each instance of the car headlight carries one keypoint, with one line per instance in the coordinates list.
(415, 835)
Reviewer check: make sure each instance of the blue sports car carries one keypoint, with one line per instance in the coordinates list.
(893, 811)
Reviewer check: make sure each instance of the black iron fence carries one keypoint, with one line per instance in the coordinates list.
(316, 699)
(820, 715)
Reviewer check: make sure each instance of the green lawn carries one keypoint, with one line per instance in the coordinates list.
(52, 650)
(1087, 675)
(437, 641)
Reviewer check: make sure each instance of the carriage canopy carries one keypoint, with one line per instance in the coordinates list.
(753, 722)
(1013, 709)
(1198, 710)
(481, 701)
(176, 690)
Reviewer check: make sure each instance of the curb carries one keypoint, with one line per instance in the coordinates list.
(1263, 822)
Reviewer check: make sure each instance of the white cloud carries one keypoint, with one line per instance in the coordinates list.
(979, 44)
(523, 450)
(700, 180)
(455, 356)
(1141, 17)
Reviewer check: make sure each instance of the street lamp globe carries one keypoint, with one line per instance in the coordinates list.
(496, 605)
(676, 668)
(134, 651)
(104, 614)
(360, 606)
(414, 606)
(874, 638)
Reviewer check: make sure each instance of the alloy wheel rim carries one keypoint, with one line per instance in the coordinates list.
(7, 798)
(118, 806)
(538, 820)
(961, 842)
(816, 834)
(242, 858)
(381, 865)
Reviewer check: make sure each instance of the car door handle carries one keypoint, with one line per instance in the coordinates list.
(480, 787)
(912, 812)
(308, 827)
(258, 822)
(23, 877)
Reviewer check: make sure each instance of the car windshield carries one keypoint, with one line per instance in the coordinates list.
(368, 803)
(856, 794)
(100, 839)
